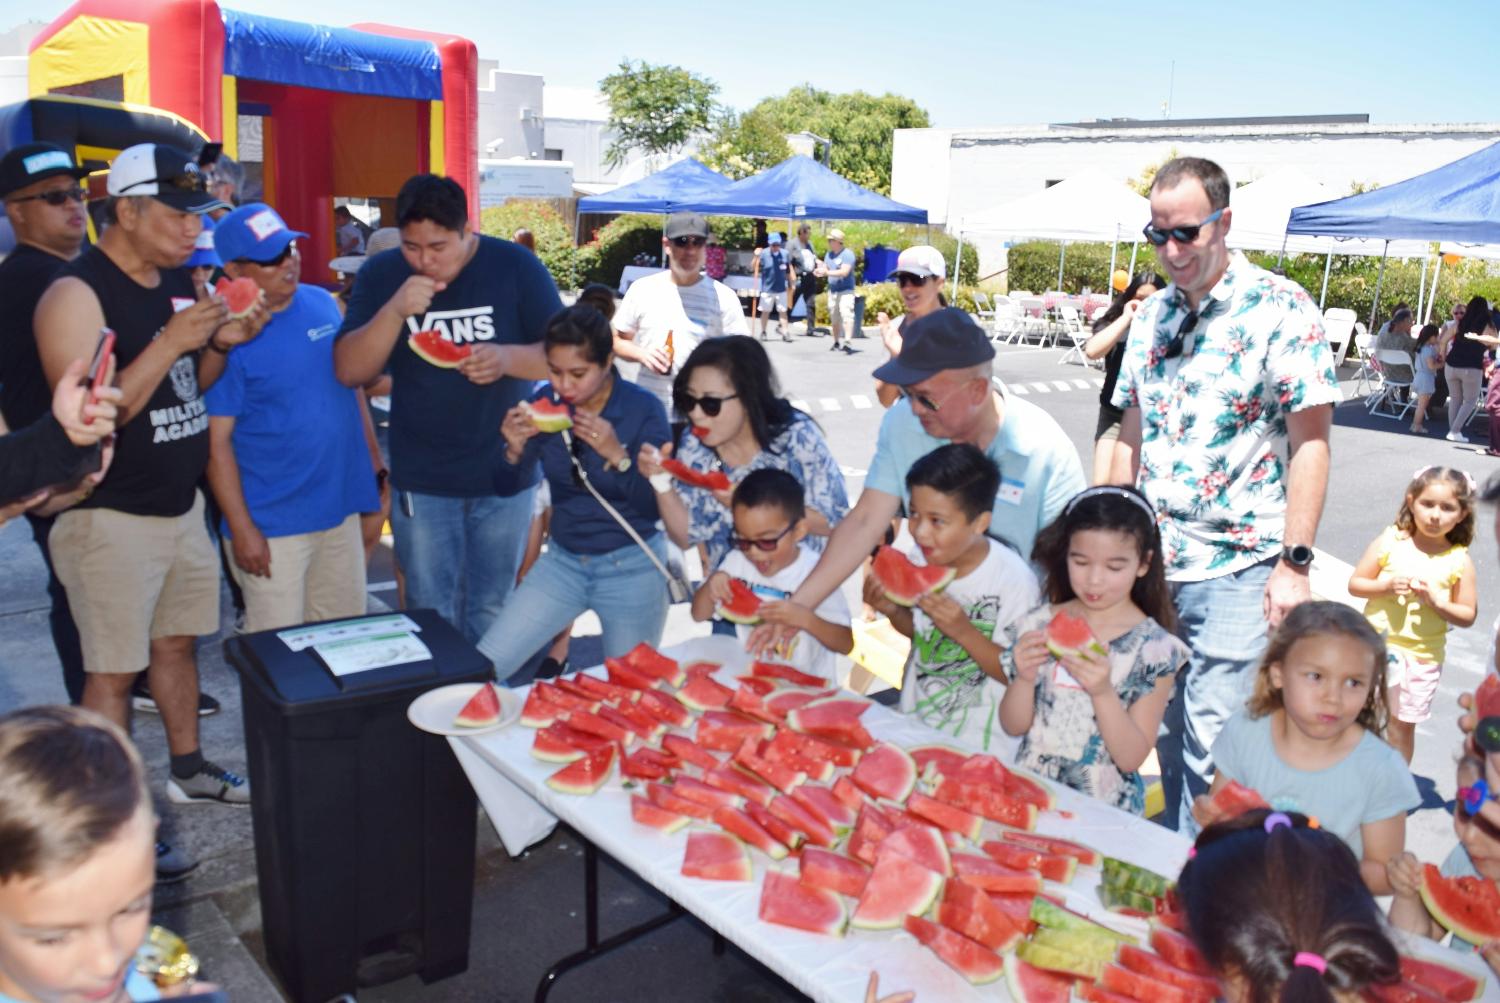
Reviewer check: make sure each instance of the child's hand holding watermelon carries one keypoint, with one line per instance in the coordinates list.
(1030, 654)
(1405, 873)
(1090, 670)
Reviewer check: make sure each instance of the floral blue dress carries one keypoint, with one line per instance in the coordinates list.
(799, 449)
(1064, 743)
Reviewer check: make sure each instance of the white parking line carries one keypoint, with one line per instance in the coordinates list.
(1061, 384)
(1017, 388)
(830, 404)
(1041, 388)
(860, 402)
(1099, 383)
(1081, 384)
(799, 405)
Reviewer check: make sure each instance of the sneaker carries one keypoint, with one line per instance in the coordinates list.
(211, 783)
(172, 864)
(835, 346)
(785, 336)
(140, 699)
(1456, 437)
(848, 348)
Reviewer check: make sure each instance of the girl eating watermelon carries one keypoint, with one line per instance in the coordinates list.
(1092, 668)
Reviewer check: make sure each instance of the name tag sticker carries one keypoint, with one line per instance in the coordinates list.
(181, 303)
(1011, 490)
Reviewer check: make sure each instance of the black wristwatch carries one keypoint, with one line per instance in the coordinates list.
(1299, 556)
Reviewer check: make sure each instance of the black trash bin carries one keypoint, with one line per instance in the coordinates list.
(364, 825)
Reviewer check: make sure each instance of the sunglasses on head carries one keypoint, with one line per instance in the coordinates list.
(711, 405)
(765, 546)
(61, 196)
(1174, 347)
(286, 252)
(183, 182)
(689, 241)
(1182, 234)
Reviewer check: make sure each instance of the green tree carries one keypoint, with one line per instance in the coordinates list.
(1142, 184)
(655, 109)
(746, 144)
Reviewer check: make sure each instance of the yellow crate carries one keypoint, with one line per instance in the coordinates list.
(880, 650)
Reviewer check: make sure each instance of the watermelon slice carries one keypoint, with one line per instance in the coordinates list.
(747, 702)
(595, 725)
(818, 832)
(905, 583)
(663, 797)
(547, 747)
(727, 778)
(1071, 635)
(812, 747)
(896, 888)
(955, 820)
(435, 349)
(646, 659)
(846, 792)
(623, 674)
(611, 692)
(971, 959)
(746, 828)
(743, 606)
(1181, 952)
(987, 801)
(782, 702)
(1085, 855)
(1019, 787)
(708, 480)
(643, 724)
(703, 694)
(1140, 960)
(870, 829)
(1404, 991)
(822, 802)
(1450, 983)
(637, 768)
(779, 830)
(549, 416)
(758, 685)
(1050, 912)
(689, 751)
(969, 910)
(1059, 959)
(788, 902)
(613, 716)
(726, 731)
(585, 776)
(833, 871)
(717, 856)
(886, 771)
(1024, 858)
(1091, 992)
(239, 295)
(539, 711)
(696, 790)
(654, 816)
(783, 749)
(665, 709)
(697, 669)
(935, 761)
(833, 717)
(1468, 906)
(774, 670)
(982, 872)
(1017, 909)
(569, 694)
(783, 778)
(921, 844)
(1144, 988)
(1029, 984)
(1233, 799)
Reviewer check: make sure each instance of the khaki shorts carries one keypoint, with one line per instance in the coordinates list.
(134, 578)
(314, 576)
(841, 313)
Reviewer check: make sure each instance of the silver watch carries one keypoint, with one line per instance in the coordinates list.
(622, 465)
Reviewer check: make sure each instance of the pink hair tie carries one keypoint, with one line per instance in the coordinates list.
(1307, 959)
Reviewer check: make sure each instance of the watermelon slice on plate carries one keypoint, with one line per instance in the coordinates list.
(921, 844)
(1144, 988)
(775, 670)
(788, 902)
(717, 856)
(1450, 983)
(969, 958)
(1029, 984)
(833, 871)
(482, 710)
(905, 582)
(550, 416)
(654, 816)
(886, 771)
(1071, 635)
(708, 480)
(746, 828)
(743, 606)
(689, 751)
(703, 694)
(1468, 906)
(1178, 950)
(897, 888)
(435, 349)
(970, 911)
(239, 295)
(986, 874)
(1085, 855)
(1140, 960)
(955, 820)
(585, 776)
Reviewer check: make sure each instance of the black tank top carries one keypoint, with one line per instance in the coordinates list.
(162, 451)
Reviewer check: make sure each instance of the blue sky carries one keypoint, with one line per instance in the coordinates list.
(971, 62)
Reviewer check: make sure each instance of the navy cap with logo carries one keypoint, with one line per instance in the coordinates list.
(944, 339)
(164, 173)
(29, 163)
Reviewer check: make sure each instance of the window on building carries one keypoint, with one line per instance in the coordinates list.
(551, 153)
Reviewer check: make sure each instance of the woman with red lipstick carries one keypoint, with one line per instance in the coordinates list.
(738, 422)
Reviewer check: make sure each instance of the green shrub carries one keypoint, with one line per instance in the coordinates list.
(616, 244)
(1033, 265)
(554, 244)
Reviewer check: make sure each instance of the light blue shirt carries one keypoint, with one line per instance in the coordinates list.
(1039, 468)
(834, 262)
(1370, 784)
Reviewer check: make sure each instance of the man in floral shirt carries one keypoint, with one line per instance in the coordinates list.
(1228, 391)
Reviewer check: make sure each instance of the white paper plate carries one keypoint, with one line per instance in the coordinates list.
(435, 710)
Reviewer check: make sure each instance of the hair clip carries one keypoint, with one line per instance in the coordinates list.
(1307, 959)
(1110, 489)
(1313, 823)
(1469, 481)
(1192, 852)
(1277, 818)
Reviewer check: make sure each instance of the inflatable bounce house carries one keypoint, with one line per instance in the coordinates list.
(346, 112)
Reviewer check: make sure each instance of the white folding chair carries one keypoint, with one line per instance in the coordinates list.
(1009, 320)
(1338, 324)
(1369, 373)
(1036, 320)
(1387, 396)
(983, 310)
(1072, 326)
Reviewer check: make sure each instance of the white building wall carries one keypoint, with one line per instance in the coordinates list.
(510, 113)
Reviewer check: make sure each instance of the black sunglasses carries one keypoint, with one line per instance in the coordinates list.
(1181, 234)
(61, 196)
(765, 546)
(286, 252)
(1174, 347)
(904, 279)
(689, 241)
(684, 403)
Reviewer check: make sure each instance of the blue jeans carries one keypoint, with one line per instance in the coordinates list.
(623, 587)
(1223, 622)
(460, 555)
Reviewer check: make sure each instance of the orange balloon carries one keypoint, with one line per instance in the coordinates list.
(1452, 259)
(1120, 280)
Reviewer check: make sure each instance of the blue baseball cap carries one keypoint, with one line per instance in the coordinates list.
(944, 339)
(773, 237)
(204, 254)
(255, 232)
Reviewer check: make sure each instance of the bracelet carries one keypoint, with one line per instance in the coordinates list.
(661, 483)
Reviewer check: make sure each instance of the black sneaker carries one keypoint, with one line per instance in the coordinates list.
(140, 699)
(835, 346)
(172, 864)
(848, 348)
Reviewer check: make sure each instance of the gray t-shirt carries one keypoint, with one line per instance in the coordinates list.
(1370, 784)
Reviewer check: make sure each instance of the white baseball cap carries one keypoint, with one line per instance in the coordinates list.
(165, 174)
(923, 261)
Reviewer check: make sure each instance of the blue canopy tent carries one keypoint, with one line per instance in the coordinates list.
(657, 192)
(801, 188)
(1458, 201)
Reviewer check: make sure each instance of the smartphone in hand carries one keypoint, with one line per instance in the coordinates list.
(99, 367)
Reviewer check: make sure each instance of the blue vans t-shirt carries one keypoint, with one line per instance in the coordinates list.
(445, 430)
(298, 437)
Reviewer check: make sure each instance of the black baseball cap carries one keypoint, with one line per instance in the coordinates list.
(32, 162)
(944, 339)
(164, 173)
(686, 224)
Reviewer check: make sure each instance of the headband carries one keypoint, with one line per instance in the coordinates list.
(1109, 489)
(1468, 477)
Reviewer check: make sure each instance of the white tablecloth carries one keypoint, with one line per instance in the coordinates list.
(634, 272)
(824, 971)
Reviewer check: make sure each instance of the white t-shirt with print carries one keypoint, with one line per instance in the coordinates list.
(655, 306)
(807, 654)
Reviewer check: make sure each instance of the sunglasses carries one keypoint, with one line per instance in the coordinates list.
(1470, 799)
(764, 546)
(903, 280)
(711, 405)
(1174, 347)
(1181, 234)
(689, 241)
(926, 400)
(286, 252)
(61, 196)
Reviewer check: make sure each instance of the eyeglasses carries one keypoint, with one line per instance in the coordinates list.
(1181, 234)
(1174, 347)
(711, 405)
(927, 401)
(689, 241)
(286, 252)
(904, 279)
(764, 546)
(61, 196)
(193, 182)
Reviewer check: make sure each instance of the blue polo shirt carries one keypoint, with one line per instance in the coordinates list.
(773, 270)
(833, 262)
(298, 436)
(1039, 468)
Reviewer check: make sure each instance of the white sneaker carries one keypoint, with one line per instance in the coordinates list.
(1456, 437)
